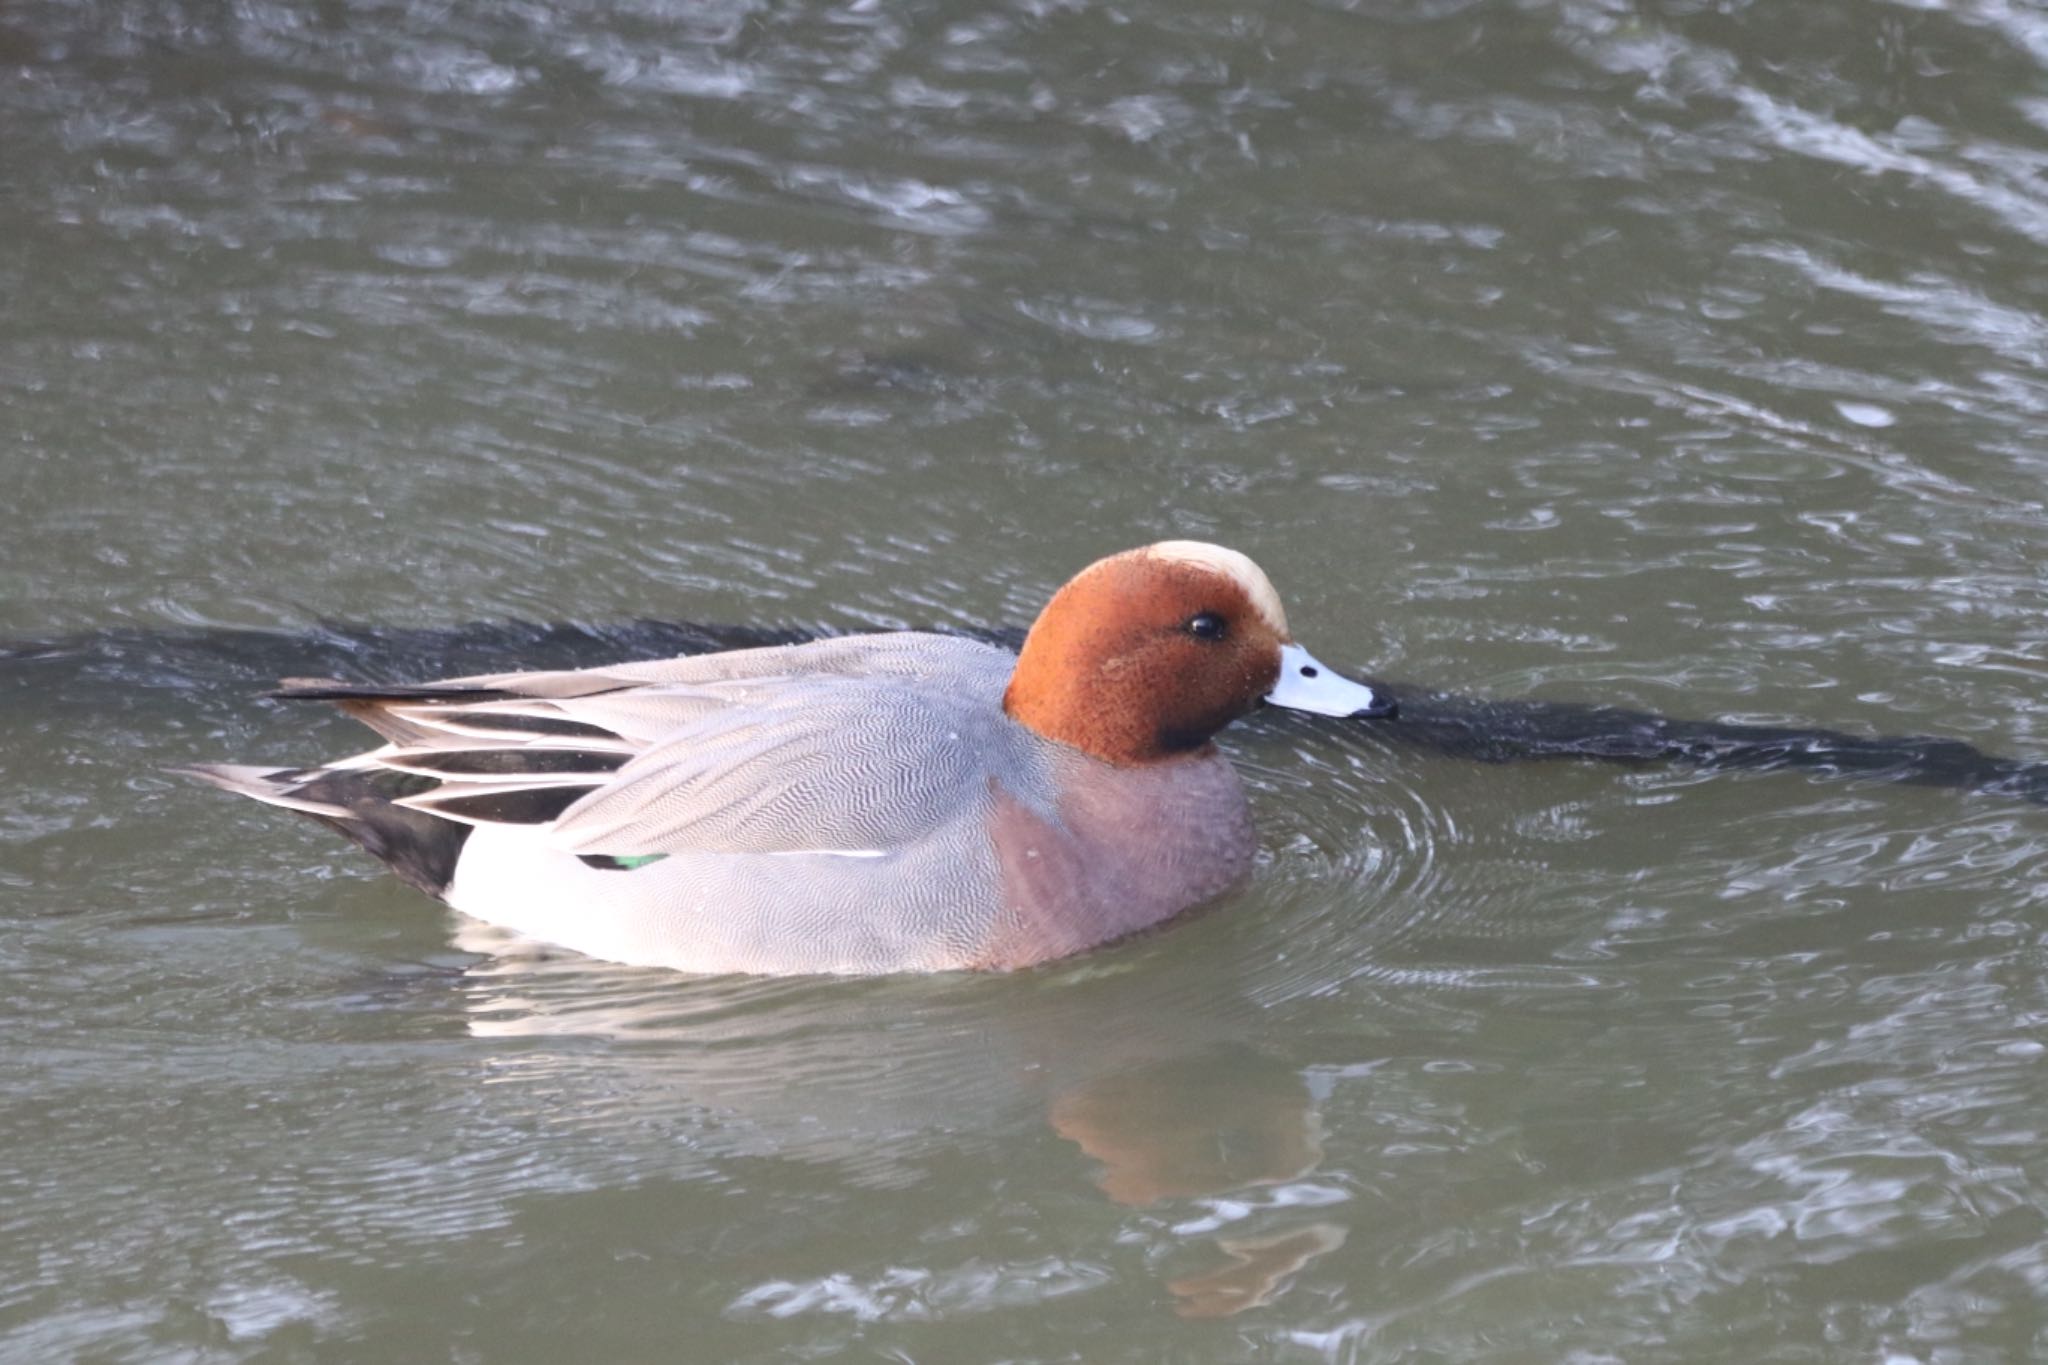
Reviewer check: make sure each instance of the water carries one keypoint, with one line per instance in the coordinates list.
(1686, 357)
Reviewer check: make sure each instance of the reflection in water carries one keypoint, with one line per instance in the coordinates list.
(1191, 1126)
(873, 1077)
(1206, 1124)
(1259, 1269)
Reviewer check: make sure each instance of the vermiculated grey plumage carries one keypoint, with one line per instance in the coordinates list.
(852, 805)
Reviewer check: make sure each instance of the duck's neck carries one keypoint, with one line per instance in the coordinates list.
(1071, 691)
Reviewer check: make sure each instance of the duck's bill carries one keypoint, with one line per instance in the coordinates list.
(1306, 685)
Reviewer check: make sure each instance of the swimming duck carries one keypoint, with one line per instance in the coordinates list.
(877, 803)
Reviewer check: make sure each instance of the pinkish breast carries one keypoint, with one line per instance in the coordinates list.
(1130, 847)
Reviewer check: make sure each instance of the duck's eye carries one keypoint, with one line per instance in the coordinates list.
(1207, 626)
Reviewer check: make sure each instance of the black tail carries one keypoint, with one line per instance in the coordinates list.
(420, 848)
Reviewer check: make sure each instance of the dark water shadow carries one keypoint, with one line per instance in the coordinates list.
(117, 669)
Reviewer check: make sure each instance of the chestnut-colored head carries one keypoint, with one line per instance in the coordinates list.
(1147, 654)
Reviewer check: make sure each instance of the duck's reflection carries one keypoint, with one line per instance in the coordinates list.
(1260, 1267)
(1206, 1124)
(1148, 1073)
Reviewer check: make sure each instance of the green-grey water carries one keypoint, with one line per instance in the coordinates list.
(1683, 356)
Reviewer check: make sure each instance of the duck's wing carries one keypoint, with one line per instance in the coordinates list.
(640, 702)
(909, 654)
(723, 754)
(852, 769)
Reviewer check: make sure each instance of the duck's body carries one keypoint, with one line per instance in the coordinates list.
(879, 803)
(857, 805)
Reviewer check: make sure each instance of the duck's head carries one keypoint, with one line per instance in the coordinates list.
(1147, 654)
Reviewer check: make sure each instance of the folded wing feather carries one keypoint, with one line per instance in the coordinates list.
(840, 746)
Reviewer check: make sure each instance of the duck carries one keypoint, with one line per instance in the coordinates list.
(905, 801)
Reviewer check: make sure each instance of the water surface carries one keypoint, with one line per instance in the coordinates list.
(1686, 357)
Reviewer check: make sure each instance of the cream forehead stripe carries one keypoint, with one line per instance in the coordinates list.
(1231, 564)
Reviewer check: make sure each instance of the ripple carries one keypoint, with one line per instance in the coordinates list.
(1682, 357)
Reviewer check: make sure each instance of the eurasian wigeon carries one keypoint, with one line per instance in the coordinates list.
(876, 803)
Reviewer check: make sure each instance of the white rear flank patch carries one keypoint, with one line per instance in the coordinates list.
(1233, 565)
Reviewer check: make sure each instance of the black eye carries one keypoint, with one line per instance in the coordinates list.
(1207, 626)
